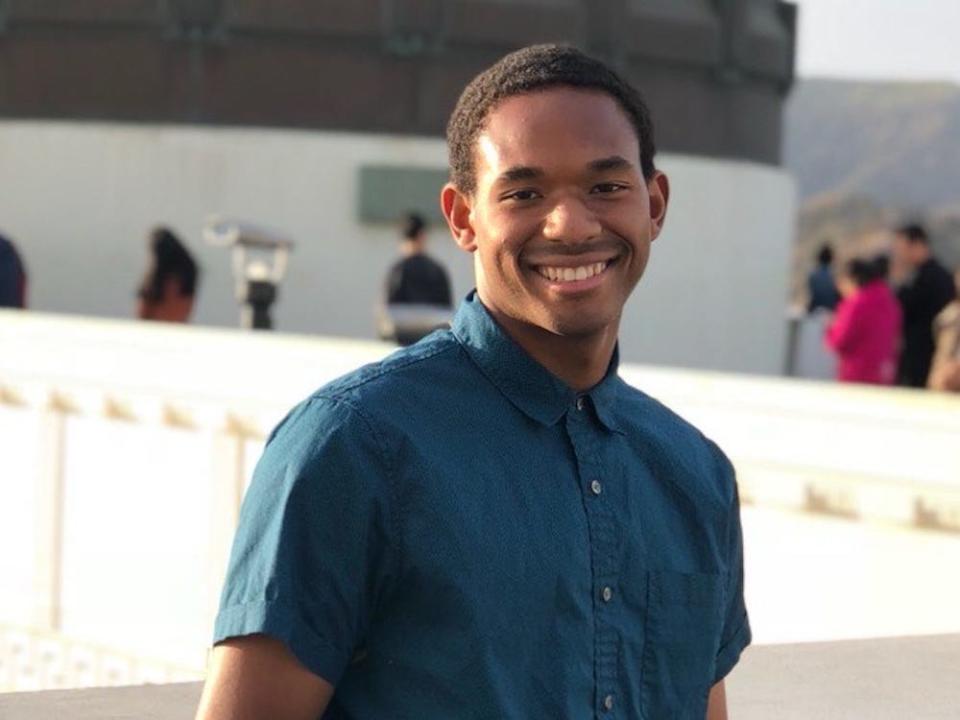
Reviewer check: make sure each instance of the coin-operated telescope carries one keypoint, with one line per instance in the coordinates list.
(259, 264)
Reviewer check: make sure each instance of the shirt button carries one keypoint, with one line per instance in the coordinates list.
(607, 593)
(595, 487)
(608, 702)
(581, 402)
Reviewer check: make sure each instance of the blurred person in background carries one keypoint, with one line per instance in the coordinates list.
(945, 369)
(924, 289)
(170, 283)
(820, 283)
(865, 331)
(13, 276)
(417, 296)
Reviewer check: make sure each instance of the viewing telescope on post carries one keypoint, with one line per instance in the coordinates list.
(259, 264)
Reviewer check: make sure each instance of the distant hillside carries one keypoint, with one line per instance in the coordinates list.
(869, 155)
(897, 143)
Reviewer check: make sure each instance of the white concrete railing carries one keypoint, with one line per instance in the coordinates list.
(37, 660)
(126, 448)
(887, 455)
(86, 406)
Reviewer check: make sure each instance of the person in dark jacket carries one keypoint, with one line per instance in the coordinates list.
(820, 283)
(417, 278)
(13, 276)
(925, 288)
(418, 297)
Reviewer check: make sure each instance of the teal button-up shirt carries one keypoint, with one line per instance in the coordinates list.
(455, 533)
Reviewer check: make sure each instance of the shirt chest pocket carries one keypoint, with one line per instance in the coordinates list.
(683, 629)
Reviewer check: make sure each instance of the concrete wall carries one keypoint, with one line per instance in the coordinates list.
(78, 198)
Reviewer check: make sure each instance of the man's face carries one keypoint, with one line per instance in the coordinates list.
(901, 249)
(909, 253)
(561, 219)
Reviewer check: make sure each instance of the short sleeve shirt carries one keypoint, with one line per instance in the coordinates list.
(455, 533)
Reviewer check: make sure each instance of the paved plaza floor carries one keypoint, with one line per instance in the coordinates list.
(890, 679)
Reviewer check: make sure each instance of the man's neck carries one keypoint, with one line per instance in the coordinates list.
(921, 256)
(409, 248)
(580, 361)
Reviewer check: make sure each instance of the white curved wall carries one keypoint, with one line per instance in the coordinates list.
(79, 197)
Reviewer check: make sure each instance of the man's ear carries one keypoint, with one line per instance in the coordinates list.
(658, 188)
(456, 208)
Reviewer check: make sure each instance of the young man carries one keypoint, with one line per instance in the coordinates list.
(490, 523)
(925, 288)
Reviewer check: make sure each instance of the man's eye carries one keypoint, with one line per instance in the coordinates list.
(604, 188)
(521, 195)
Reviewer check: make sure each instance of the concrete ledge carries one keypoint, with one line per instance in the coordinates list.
(889, 679)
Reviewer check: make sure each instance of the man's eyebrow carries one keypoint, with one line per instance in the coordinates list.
(614, 162)
(520, 172)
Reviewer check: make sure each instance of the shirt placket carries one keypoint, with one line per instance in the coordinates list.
(585, 439)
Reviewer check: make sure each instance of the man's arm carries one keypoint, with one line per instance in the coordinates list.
(312, 554)
(736, 626)
(256, 678)
(717, 703)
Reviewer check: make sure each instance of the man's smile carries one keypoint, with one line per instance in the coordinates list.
(569, 274)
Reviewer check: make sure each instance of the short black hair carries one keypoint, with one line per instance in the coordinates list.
(914, 233)
(825, 255)
(881, 266)
(169, 257)
(867, 270)
(413, 225)
(533, 68)
(861, 270)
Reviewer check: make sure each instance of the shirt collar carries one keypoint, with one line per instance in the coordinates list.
(532, 388)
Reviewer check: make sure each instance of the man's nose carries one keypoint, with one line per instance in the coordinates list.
(571, 220)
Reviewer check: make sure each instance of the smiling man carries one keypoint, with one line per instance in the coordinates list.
(491, 524)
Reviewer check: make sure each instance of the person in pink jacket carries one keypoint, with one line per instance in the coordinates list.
(865, 332)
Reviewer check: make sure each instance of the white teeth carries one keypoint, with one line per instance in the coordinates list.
(569, 274)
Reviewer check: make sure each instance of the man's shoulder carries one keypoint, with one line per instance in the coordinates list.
(418, 264)
(673, 444)
(428, 261)
(642, 410)
(934, 271)
(380, 397)
(422, 368)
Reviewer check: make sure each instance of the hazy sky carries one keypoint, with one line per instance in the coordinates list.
(896, 39)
